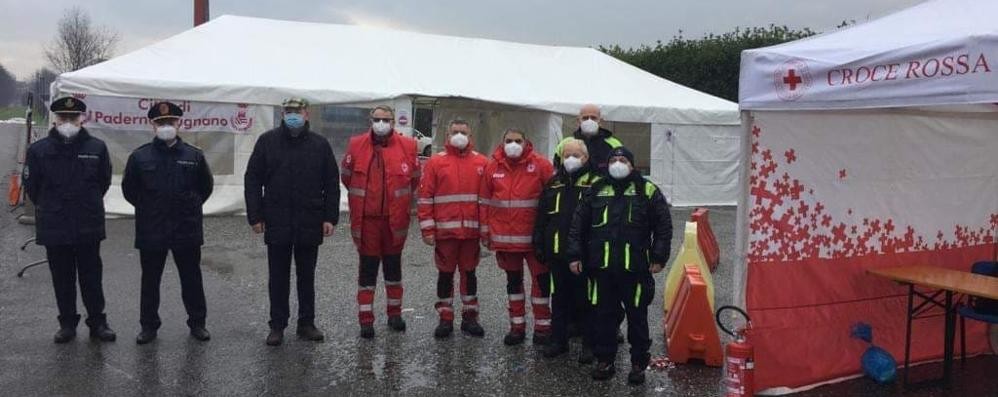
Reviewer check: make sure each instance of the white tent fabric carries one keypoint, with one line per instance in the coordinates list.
(241, 60)
(263, 61)
(696, 164)
(866, 147)
(937, 53)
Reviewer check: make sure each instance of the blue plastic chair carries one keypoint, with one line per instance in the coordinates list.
(980, 309)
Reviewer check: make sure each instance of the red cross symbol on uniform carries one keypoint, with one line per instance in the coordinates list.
(792, 79)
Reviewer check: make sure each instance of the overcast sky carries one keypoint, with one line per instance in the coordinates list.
(27, 26)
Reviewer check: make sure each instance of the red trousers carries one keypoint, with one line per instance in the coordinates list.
(452, 255)
(512, 263)
(377, 238)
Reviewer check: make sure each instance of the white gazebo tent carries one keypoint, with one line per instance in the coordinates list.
(237, 69)
(866, 147)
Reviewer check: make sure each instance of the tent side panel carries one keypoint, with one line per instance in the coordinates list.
(700, 163)
(739, 272)
(833, 194)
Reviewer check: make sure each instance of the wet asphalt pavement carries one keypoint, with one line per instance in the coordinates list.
(237, 362)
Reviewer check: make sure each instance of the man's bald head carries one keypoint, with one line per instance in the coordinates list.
(589, 110)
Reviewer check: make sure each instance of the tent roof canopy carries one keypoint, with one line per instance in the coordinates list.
(940, 52)
(263, 61)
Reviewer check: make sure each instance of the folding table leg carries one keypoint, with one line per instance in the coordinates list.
(907, 337)
(949, 337)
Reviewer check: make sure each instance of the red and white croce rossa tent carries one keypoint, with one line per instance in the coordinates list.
(871, 146)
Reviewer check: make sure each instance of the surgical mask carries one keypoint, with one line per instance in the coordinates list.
(459, 141)
(589, 127)
(572, 164)
(619, 170)
(166, 132)
(67, 130)
(381, 128)
(294, 120)
(513, 150)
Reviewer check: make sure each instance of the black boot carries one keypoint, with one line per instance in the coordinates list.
(541, 338)
(604, 371)
(64, 335)
(103, 333)
(367, 331)
(471, 327)
(275, 338)
(146, 336)
(396, 323)
(444, 329)
(637, 375)
(200, 333)
(309, 332)
(514, 338)
(555, 349)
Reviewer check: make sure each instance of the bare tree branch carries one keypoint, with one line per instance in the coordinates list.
(79, 43)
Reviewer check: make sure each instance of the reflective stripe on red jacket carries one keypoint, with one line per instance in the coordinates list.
(509, 193)
(448, 194)
(401, 176)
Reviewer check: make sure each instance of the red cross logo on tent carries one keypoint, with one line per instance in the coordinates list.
(792, 79)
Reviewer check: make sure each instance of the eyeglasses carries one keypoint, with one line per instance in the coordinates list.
(375, 120)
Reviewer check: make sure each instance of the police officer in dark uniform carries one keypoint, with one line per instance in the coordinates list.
(292, 194)
(167, 180)
(66, 175)
(622, 228)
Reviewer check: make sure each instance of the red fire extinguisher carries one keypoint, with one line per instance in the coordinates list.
(739, 358)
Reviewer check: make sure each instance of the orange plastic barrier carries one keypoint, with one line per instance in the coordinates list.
(706, 239)
(690, 331)
(14, 190)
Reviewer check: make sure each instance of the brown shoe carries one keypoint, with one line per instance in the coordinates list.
(309, 332)
(275, 338)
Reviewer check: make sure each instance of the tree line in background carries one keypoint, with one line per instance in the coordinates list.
(78, 43)
(711, 63)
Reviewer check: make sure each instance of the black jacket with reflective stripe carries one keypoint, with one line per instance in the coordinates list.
(621, 224)
(555, 210)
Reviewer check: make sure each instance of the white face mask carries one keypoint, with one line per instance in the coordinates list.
(381, 128)
(572, 164)
(513, 150)
(459, 141)
(166, 132)
(589, 127)
(619, 170)
(67, 130)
